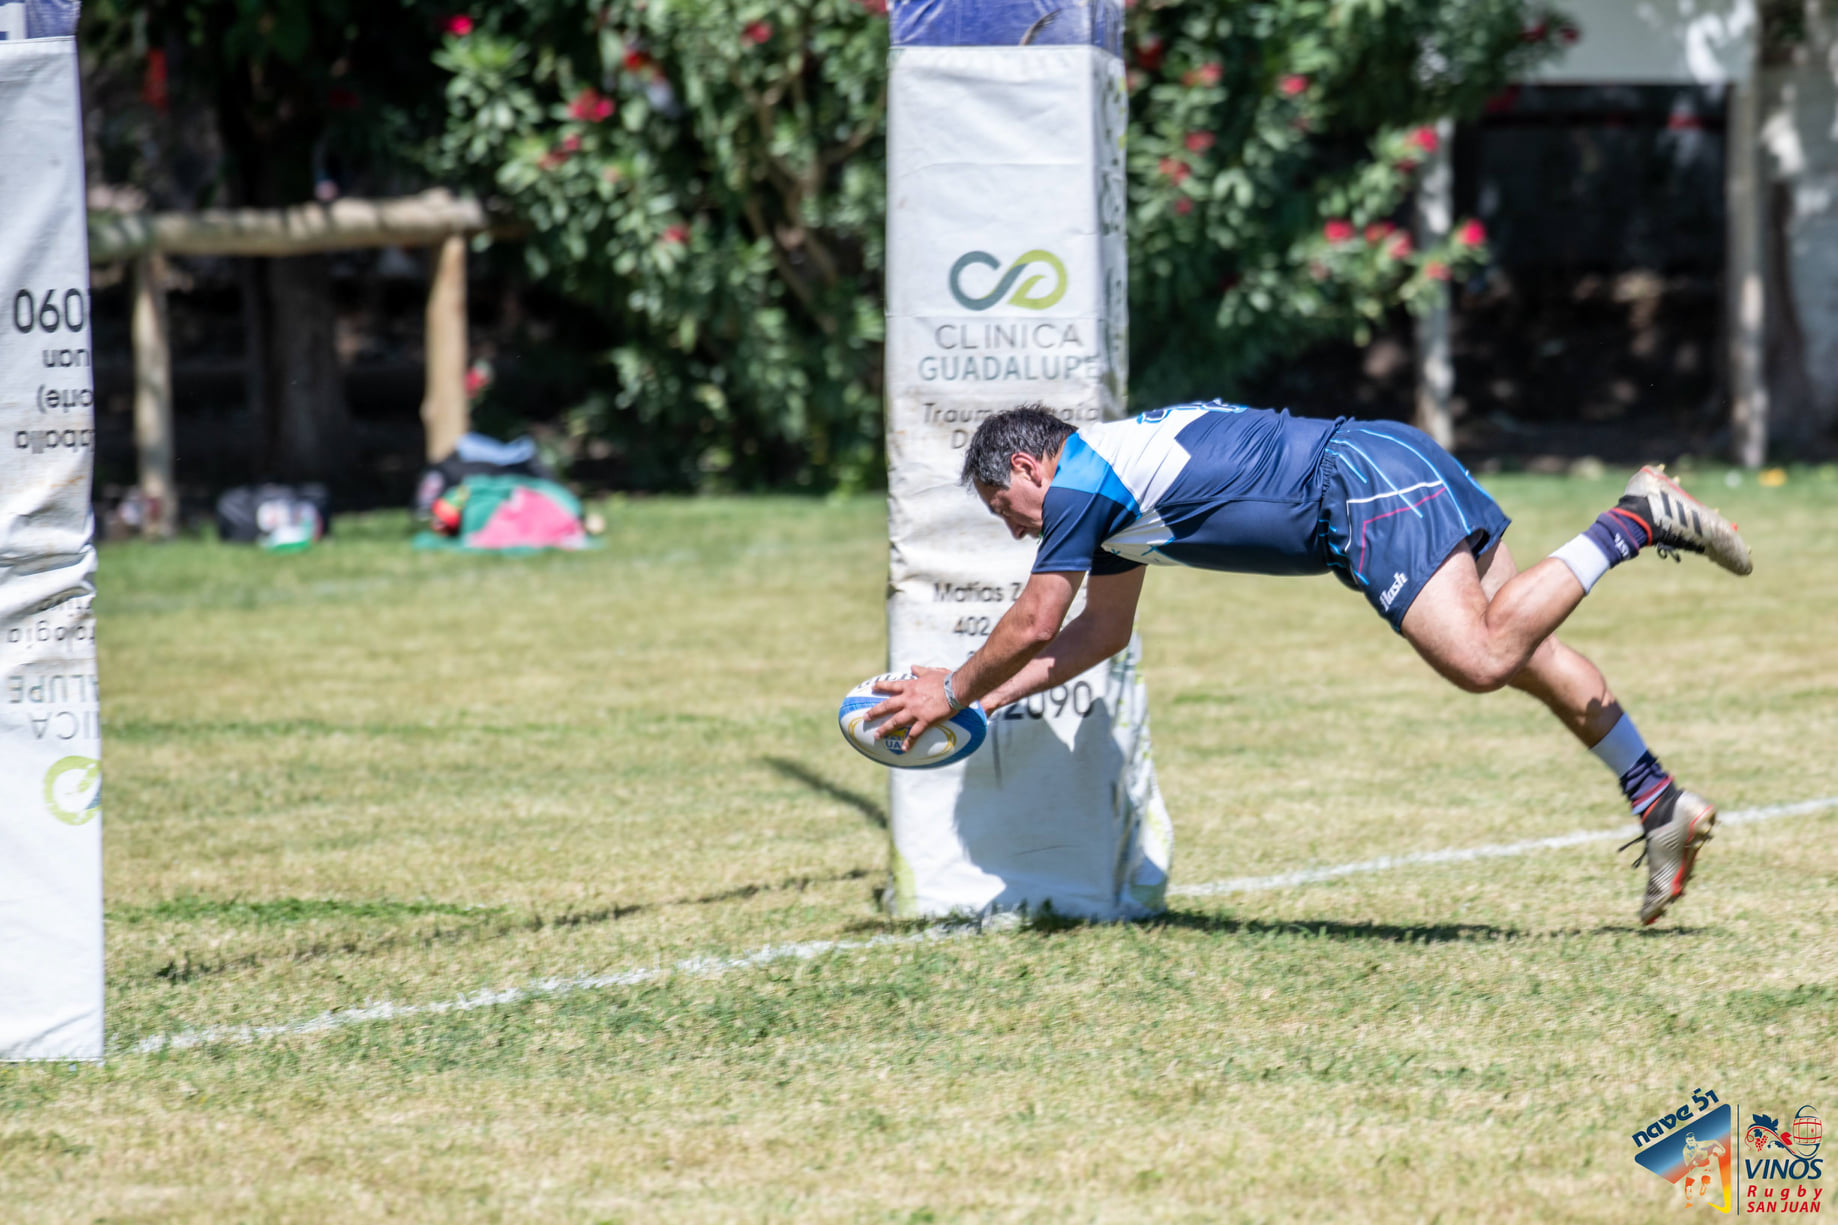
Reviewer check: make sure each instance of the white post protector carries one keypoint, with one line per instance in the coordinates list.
(50, 735)
(1007, 284)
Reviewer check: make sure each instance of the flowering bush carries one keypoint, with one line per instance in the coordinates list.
(1282, 228)
(708, 175)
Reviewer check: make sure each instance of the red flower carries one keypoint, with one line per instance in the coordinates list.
(571, 143)
(675, 236)
(478, 378)
(636, 61)
(1183, 206)
(1471, 234)
(591, 106)
(1209, 73)
(1292, 85)
(459, 26)
(1198, 142)
(758, 32)
(1424, 138)
(1401, 249)
(1149, 53)
(1569, 34)
(1379, 231)
(1337, 231)
(1174, 169)
(1503, 101)
(1436, 270)
(874, 8)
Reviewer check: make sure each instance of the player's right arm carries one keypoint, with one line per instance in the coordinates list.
(1096, 634)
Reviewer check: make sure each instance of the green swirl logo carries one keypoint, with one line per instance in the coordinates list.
(1024, 297)
(73, 789)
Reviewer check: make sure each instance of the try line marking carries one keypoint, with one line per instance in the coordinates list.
(709, 967)
(1502, 850)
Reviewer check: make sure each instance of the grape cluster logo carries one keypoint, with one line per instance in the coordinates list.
(1735, 1161)
(1025, 296)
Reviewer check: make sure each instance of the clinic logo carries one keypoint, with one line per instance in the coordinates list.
(1028, 296)
(73, 789)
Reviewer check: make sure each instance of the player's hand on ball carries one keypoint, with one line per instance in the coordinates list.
(916, 705)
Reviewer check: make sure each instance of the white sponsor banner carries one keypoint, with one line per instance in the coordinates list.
(1655, 42)
(50, 734)
(1006, 285)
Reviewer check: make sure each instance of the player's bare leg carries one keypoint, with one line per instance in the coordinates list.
(1473, 621)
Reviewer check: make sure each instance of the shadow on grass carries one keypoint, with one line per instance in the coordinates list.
(486, 923)
(1047, 922)
(1333, 929)
(871, 812)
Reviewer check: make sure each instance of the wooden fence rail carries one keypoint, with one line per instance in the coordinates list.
(435, 219)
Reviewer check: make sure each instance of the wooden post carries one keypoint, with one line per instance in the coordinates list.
(1435, 369)
(444, 410)
(153, 396)
(1744, 304)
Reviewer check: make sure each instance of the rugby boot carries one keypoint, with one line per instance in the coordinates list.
(1676, 830)
(1681, 522)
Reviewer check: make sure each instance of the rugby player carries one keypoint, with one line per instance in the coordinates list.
(1222, 487)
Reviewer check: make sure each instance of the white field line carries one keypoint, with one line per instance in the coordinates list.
(542, 988)
(1502, 850)
(710, 967)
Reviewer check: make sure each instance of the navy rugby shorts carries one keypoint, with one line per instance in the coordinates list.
(1394, 507)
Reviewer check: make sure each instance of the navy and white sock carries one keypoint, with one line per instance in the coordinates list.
(1617, 535)
(1643, 780)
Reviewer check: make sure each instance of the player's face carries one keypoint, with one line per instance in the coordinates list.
(1017, 506)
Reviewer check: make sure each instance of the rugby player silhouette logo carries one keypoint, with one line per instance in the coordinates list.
(1696, 1158)
(1700, 1183)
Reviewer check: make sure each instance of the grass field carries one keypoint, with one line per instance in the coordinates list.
(368, 775)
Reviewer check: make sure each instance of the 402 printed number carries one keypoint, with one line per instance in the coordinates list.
(56, 310)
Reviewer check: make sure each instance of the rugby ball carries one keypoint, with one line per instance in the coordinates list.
(953, 740)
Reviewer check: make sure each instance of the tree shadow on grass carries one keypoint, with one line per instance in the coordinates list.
(871, 812)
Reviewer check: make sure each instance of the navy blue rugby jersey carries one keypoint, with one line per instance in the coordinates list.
(1215, 486)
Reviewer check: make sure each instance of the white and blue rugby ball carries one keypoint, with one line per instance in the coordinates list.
(953, 740)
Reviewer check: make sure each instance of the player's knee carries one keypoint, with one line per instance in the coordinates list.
(1485, 674)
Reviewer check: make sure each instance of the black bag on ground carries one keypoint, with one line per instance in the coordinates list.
(239, 510)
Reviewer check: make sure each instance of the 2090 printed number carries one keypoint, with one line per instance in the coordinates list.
(64, 310)
(1077, 695)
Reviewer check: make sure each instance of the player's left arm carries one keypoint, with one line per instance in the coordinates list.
(1096, 634)
(1027, 651)
(1030, 623)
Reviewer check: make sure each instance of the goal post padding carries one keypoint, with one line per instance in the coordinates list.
(1007, 284)
(50, 735)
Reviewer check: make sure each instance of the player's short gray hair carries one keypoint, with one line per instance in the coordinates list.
(1029, 428)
